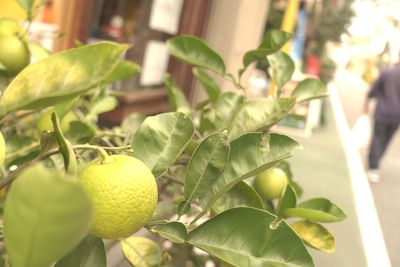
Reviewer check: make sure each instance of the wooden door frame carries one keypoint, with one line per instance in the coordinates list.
(194, 18)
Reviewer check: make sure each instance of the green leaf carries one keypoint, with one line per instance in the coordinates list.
(66, 149)
(219, 117)
(275, 39)
(45, 217)
(65, 107)
(287, 201)
(309, 89)
(317, 209)
(244, 237)
(315, 235)
(100, 105)
(176, 97)
(174, 231)
(193, 50)
(37, 51)
(90, 252)
(285, 166)
(250, 154)
(282, 67)
(61, 76)
(206, 165)
(26, 5)
(272, 42)
(141, 251)
(79, 132)
(209, 85)
(184, 208)
(241, 195)
(161, 139)
(132, 122)
(259, 115)
(123, 70)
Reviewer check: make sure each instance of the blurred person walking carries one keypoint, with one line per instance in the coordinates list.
(386, 91)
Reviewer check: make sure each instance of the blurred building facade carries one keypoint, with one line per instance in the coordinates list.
(229, 27)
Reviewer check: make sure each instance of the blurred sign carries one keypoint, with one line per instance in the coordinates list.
(165, 15)
(155, 63)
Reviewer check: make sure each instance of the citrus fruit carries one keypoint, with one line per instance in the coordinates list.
(45, 124)
(270, 183)
(2, 150)
(123, 192)
(10, 27)
(14, 54)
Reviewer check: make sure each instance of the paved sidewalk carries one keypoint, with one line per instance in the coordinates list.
(322, 170)
(352, 91)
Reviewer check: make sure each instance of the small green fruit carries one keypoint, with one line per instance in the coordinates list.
(270, 183)
(14, 54)
(45, 123)
(10, 27)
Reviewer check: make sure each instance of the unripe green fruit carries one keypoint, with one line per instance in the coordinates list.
(270, 183)
(10, 27)
(14, 54)
(123, 192)
(45, 123)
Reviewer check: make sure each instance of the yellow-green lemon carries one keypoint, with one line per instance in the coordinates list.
(2, 150)
(45, 124)
(10, 27)
(14, 54)
(123, 193)
(270, 183)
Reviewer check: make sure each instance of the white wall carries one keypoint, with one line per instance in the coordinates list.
(234, 27)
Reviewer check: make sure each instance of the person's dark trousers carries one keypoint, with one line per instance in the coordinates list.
(381, 136)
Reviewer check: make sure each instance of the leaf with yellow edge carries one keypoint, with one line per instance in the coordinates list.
(61, 76)
(315, 235)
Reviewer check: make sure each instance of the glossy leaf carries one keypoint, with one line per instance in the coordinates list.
(176, 97)
(80, 133)
(219, 117)
(61, 76)
(309, 89)
(70, 163)
(101, 105)
(258, 115)
(48, 141)
(287, 201)
(26, 5)
(161, 139)
(206, 165)
(65, 107)
(141, 251)
(37, 51)
(241, 195)
(317, 209)
(122, 71)
(282, 67)
(315, 235)
(271, 43)
(184, 208)
(174, 231)
(164, 211)
(285, 166)
(90, 252)
(250, 154)
(243, 237)
(193, 50)
(208, 84)
(132, 122)
(38, 228)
